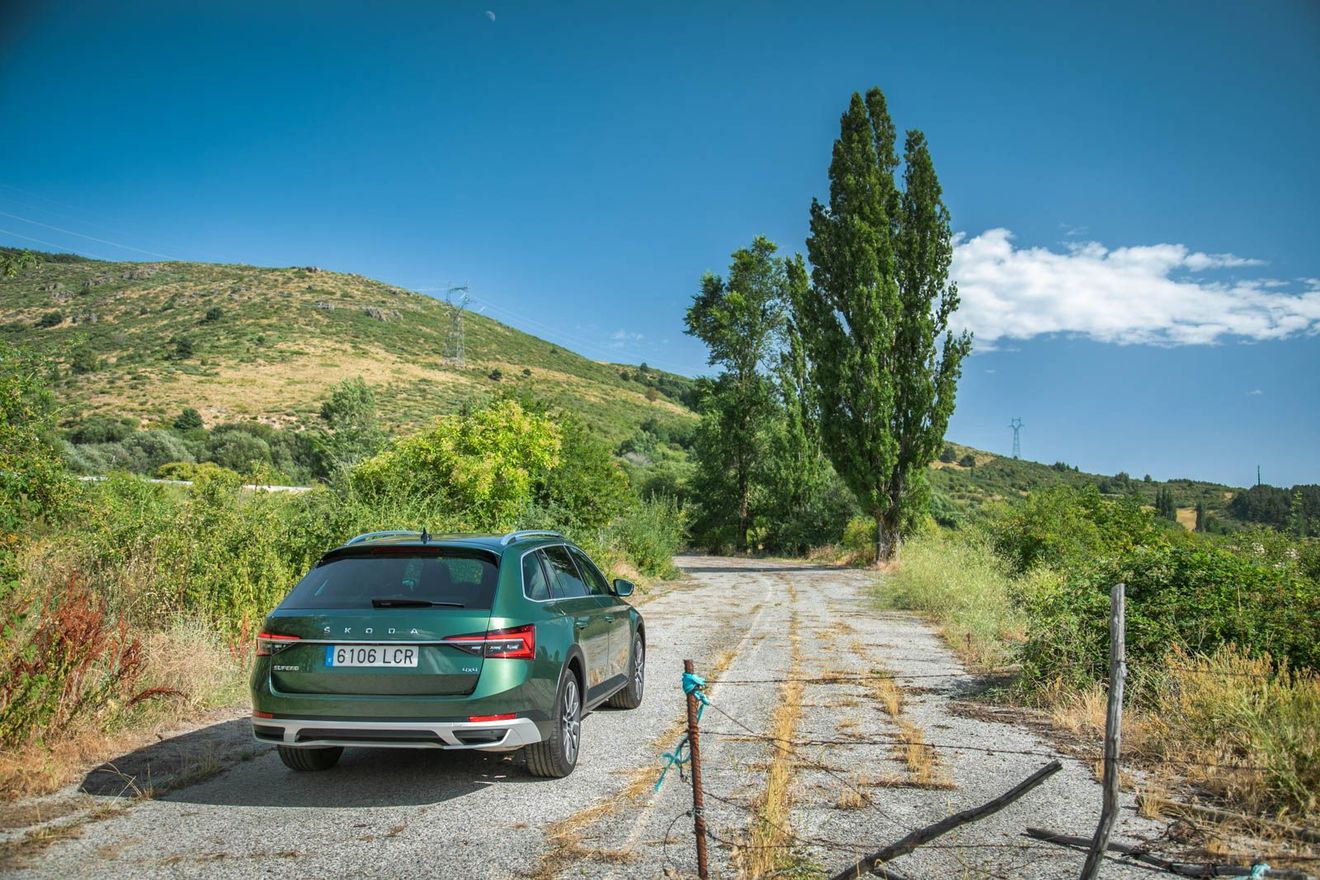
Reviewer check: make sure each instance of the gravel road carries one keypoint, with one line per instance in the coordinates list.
(748, 624)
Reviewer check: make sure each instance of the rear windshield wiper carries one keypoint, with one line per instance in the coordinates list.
(405, 602)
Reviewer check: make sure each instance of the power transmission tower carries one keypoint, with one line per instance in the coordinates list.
(457, 306)
(1016, 425)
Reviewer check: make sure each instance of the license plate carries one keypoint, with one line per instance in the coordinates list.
(371, 655)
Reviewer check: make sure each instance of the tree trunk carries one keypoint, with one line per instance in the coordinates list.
(742, 511)
(886, 540)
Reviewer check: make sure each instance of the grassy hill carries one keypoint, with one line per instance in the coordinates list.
(145, 340)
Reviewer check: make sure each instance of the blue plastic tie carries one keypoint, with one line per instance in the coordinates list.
(1258, 871)
(693, 685)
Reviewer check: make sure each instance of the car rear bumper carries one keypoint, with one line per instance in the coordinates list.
(491, 736)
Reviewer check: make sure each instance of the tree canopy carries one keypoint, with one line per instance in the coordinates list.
(873, 313)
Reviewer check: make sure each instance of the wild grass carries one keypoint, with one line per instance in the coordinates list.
(959, 581)
(767, 848)
(183, 671)
(1247, 727)
(1244, 730)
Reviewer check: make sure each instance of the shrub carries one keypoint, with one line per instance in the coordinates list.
(151, 449)
(188, 420)
(651, 533)
(32, 482)
(50, 319)
(1061, 527)
(237, 451)
(586, 490)
(1185, 591)
(859, 538)
(101, 429)
(967, 460)
(64, 663)
(479, 470)
(213, 314)
(84, 361)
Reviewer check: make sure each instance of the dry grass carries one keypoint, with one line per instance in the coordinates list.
(850, 796)
(888, 694)
(1232, 726)
(186, 671)
(767, 835)
(923, 765)
(564, 838)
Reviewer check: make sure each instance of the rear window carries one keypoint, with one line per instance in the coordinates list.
(353, 581)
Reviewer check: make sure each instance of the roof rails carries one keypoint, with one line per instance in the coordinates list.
(389, 533)
(527, 533)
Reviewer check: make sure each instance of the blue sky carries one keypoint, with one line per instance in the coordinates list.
(1135, 184)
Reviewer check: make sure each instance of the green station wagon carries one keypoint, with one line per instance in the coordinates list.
(405, 640)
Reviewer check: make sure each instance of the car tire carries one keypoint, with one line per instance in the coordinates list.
(630, 697)
(310, 759)
(555, 756)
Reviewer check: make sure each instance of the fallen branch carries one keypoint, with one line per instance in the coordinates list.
(1205, 811)
(947, 824)
(1184, 869)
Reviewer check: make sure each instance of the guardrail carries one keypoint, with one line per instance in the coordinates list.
(251, 487)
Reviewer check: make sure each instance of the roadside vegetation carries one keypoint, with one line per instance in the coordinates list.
(1221, 635)
(128, 604)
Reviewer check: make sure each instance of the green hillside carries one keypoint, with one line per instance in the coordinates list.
(972, 482)
(145, 340)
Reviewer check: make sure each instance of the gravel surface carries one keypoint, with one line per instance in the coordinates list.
(410, 814)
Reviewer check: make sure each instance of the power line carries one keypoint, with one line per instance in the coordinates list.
(127, 247)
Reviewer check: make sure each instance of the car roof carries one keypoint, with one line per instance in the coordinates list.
(492, 543)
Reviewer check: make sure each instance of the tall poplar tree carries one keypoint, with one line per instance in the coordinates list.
(872, 317)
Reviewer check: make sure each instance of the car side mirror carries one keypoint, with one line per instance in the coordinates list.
(623, 589)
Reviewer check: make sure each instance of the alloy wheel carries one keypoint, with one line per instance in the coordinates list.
(571, 724)
(639, 664)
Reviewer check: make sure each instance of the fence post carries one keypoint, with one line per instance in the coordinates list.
(1113, 734)
(698, 798)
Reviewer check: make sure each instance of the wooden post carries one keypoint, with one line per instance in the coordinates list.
(698, 798)
(1113, 735)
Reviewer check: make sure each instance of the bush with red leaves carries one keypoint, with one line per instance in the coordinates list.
(64, 661)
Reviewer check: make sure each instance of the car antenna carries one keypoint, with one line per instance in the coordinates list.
(426, 536)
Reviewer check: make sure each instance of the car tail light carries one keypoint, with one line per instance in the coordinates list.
(515, 643)
(270, 643)
(507, 716)
(262, 715)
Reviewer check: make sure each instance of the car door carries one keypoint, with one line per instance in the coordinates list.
(616, 614)
(576, 600)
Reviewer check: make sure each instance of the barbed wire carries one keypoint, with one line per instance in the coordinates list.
(851, 677)
(897, 739)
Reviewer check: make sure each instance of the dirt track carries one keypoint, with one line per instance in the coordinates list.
(748, 624)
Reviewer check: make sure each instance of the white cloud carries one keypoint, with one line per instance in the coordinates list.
(1255, 392)
(490, 15)
(621, 338)
(1151, 295)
